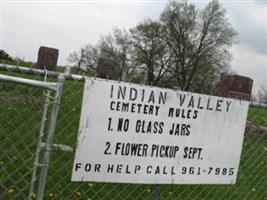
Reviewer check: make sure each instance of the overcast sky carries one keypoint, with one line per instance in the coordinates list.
(69, 25)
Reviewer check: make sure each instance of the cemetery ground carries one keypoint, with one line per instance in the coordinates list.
(21, 111)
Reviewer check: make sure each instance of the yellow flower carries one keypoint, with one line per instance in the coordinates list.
(33, 195)
(51, 194)
(78, 193)
(148, 190)
(10, 190)
(2, 162)
(253, 189)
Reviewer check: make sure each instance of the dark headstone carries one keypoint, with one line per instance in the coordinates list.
(107, 69)
(47, 58)
(235, 86)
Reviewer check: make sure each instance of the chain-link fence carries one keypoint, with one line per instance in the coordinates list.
(21, 109)
(24, 107)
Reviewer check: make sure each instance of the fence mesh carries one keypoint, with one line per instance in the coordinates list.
(20, 113)
(20, 116)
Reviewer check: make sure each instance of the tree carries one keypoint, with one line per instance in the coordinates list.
(186, 47)
(150, 50)
(115, 46)
(198, 41)
(262, 94)
(5, 56)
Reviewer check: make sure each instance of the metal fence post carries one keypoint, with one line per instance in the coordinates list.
(155, 195)
(40, 138)
(49, 139)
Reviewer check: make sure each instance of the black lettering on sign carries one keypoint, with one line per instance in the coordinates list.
(121, 92)
(109, 124)
(191, 102)
(199, 103)
(164, 151)
(112, 105)
(133, 94)
(192, 153)
(77, 166)
(151, 97)
(125, 107)
(107, 148)
(180, 129)
(228, 103)
(183, 113)
(123, 125)
(110, 168)
(182, 99)
(111, 91)
(137, 168)
(131, 149)
(208, 105)
(87, 167)
(162, 97)
(143, 126)
(218, 105)
(149, 169)
(119, 168)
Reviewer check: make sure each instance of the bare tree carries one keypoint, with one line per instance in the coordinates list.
(262, 94)
(117, 47)
(91, 53)
(150, 51)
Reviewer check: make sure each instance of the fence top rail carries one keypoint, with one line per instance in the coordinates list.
(28, 70)
(41, 72)
(24, 81)
(257, 104)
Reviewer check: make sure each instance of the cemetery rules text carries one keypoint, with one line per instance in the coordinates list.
(139, 134)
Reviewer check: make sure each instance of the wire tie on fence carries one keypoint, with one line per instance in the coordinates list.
(49, 148)
(36, 163)
(43, 165)
(45, 76)
(50, 96)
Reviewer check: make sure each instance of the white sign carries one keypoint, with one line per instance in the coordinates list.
(139, 134)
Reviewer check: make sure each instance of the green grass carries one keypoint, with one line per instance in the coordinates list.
(258, 116)
(20, 115)
(20, 63)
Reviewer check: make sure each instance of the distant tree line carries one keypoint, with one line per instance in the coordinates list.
(262, 94)
(7, 59)
(5, 56)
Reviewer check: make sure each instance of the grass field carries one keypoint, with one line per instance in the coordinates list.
(20, 115)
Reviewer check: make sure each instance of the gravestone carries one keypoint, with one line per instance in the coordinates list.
(107, 68)
(235, 86)
(82, 62)
(47, 58)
